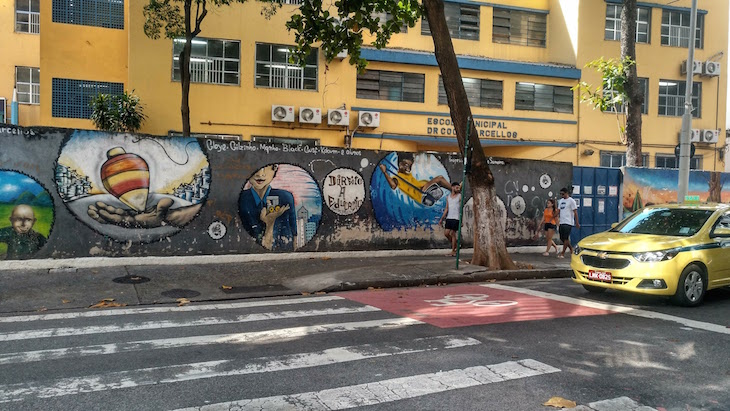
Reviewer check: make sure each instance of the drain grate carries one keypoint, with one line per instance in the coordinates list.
(180, 293)
(256, 289)
(131, 279)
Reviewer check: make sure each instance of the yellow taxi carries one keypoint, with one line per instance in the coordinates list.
(677, 250)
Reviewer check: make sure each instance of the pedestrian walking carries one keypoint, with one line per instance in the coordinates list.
(549, 223)
(451, 215)
(568, 219)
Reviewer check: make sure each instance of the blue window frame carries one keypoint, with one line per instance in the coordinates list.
(72, 98)
(98, 13)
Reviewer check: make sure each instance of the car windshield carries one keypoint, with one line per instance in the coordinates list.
(665, 221)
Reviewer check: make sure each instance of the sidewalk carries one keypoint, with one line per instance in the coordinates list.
(39, 285)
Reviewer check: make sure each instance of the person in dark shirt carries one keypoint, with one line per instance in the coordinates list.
(22, 241)
(268, 213)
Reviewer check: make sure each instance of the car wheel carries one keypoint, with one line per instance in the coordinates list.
(692, 287)
(594, 289)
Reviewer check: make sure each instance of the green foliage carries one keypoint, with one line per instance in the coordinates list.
(167, 16)
(117, 113)
(342, 29)
(611, 94)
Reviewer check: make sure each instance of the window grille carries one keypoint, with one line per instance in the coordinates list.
(275, 69)
(72, 98)
(676, 29)
(461, 19)
(212, 61)
(98, 13)
(672, 98)
(542, 97)
(613, 23)
(28, 84)
(481, 92)
(390, 85)
(664, 161)
(616, 160)
(520, 27)
(28, 16)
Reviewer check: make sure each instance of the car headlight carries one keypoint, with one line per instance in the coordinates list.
(577, 250)
(654, 256)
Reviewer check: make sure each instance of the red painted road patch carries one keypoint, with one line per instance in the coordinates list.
(461, 306)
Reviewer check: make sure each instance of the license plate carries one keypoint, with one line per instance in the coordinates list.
(600, 275)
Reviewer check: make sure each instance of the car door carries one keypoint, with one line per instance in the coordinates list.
(718, 261)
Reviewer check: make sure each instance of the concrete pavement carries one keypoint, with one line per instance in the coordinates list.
(40, 285)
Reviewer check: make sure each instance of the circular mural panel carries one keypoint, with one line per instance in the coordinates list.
(26, 215)
(343, 191)
(132, 188)
(280, 207)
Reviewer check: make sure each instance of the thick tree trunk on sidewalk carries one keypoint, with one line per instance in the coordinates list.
(636, 97)
(490, 248)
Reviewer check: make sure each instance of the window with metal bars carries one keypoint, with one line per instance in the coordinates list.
(390, 85)
(481, 92)
(72, 98)
(98, 13)
(676, 29)
(274, 68)
(613, 23)
(672, 98)
(525, 28)
(644, 87)
(28, 16)
(543, 97)
(28, 84)
(664, 161)
(461, 19)
(616, 160)
(212, 61)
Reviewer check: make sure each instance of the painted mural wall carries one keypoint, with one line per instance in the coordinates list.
(77, 193)
(646, 186)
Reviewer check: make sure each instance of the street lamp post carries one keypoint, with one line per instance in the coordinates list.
(684, 138)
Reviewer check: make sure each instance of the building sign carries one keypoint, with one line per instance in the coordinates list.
(441, 127)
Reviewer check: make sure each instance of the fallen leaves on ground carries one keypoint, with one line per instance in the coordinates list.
(65, 301)
(182, 301)
(226, 287)
(42, 309)
(375, 289)
(558, 402)
(326, 258)
(106, 303)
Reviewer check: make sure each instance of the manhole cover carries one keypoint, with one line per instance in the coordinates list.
(180, 293)
(131, 279)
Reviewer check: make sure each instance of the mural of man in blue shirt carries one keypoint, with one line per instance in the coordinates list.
(267, 213)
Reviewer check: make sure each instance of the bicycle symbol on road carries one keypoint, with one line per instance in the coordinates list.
(479, 300)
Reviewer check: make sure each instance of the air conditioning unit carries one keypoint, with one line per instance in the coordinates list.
(369, 119)
(694, 135)
(696, 67)
(282, 113)
(310, 115)
(709, 136)
(3, 110)
(338, 117)
(711, 68)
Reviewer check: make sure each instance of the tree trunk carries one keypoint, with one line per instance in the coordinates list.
(636, 97)
(185, 71)
(490, 249)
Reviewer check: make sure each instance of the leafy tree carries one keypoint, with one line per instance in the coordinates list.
(344, 30)
(118, 113)
(165, 15)
(620, 78)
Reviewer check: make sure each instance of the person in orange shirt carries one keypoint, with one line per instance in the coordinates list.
(549, 223)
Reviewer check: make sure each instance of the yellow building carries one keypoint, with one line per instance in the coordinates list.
(519, 60)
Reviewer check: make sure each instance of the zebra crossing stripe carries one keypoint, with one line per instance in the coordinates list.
(617, 308)
(239, 338)
(225, 368)
(154, 325)
(168, 309)
(388, 390)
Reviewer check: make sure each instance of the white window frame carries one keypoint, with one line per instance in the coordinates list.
(644, 86)
(285, 74)
(695, 162)
(678, 35)
(33, 17)
(613, 24)
(620, 158)
(674, 103)
(29, 92)
(205, 68)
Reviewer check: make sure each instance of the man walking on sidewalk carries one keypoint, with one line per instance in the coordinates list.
(568, 218)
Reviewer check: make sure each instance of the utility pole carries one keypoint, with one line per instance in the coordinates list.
(684, 138)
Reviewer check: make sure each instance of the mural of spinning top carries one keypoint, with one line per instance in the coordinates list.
(132, 188)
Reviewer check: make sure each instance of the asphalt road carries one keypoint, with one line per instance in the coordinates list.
(493, 346)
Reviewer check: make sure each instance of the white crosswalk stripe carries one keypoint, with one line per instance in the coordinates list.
(121, 351)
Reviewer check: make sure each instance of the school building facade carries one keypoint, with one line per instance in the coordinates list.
(519, 60)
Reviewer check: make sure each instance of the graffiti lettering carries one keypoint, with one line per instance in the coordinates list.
(341, 206)
(340, 180)
(344, 190)
(16, 131)
(240, 146)
(269, 148)
(213, 145)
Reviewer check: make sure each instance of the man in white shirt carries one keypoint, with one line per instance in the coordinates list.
(451, 216)
(568, 219)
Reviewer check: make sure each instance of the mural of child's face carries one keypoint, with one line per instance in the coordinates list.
(405, 166)
(22, 219)
(262, 178)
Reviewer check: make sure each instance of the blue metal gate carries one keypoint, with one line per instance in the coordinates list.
(597, 192)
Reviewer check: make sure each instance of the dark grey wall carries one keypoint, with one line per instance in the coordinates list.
(195, 202)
